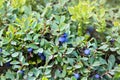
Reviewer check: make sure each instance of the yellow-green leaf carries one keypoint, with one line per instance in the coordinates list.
(44, 78)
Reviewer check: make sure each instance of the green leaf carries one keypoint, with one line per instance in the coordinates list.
(3, 77)
(78, 66)
(44, 78)
(10, 75)
(73, 78)
(111, 62)
(28, 37)
(31, 78)
(84, 78)
(64, 73)
(34, 24)
(104, 47)
(69, 50)
(114, 49)
(71, 61)
(15, 62)
(33, 46)
(6, 53)
(36, 37)
(67, 78)
(15, 54)
(1, 3)
(40, 50)
(62, 19)
(96, 63)
(13, 43)
(102, 61)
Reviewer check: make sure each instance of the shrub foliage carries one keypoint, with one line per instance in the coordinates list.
(59, 40)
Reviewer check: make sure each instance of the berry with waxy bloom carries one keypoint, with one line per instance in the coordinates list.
(87, 51)
(97, 76)
(112, 40)
(90, 29)
(21, 72)
(30, 50)
(42, 56)
(63, 38)
(0, 50)
(76, 75)
(8, 64)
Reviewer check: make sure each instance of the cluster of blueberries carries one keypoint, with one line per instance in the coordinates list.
(77, 76)
(62, 39)
(41, 55)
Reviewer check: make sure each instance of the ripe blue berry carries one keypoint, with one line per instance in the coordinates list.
(112, 40)
(21, 72)
(30, 50)
(76, 75)
(63, 38)
(42, 56)
(90, 29)
(0, 50)
(97, 76)
(87, 51)
(64, 35)
(8, 64)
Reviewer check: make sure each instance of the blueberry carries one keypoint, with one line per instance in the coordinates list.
(87, 51)
(90, 29)
(8, 64)
(0, 50)
(42, 56)
(21, 72)
(30, 50)
(62, 39)
(76, 75)
(64, 35)
(97, 76)
(112, 40)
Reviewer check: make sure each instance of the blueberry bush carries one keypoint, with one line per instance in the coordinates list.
(59, 40)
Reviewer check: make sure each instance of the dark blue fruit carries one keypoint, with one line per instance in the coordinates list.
(90, 29)
(87, 51)
(0, 50)
(76, 75)
(63, 38)
(97, 76)
(64, 35)
(112, 40)
(30, 50)
(8, 64)
(42, 56)
(21, 72)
